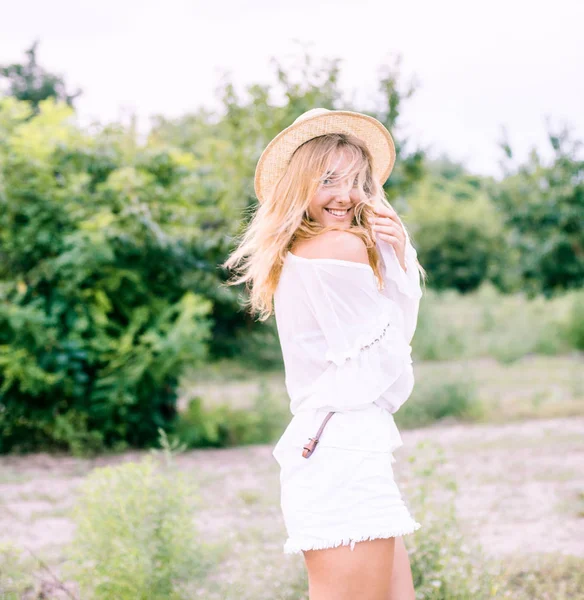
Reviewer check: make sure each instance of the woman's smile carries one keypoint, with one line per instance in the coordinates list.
(338, 213)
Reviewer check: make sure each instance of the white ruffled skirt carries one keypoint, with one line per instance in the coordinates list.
(345, 491)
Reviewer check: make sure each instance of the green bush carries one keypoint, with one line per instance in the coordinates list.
(574, 329)
(456, 229)
(135, 538)
(541, 202)
(222, 426)
(259, 350)
(432, 401)
(99, 307)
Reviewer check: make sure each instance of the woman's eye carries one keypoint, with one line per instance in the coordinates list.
(329, 181)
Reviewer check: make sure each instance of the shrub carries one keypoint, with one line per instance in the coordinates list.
(456, 229)
(135, 538)
(574, 330)
(222, 425)
(99, 309)
(431, 401)
(259, 350)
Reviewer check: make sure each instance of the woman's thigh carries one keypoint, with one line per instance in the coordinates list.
(402, 584)
(344, 574)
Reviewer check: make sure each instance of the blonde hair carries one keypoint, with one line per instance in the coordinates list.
(281, 219)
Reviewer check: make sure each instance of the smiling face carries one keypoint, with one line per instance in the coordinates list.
(337, 195)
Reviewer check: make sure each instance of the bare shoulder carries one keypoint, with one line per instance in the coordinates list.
(340, 245)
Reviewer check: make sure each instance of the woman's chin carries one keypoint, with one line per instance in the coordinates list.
(340, 224)
(329, 220)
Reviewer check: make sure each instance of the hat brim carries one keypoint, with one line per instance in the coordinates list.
(276, 156)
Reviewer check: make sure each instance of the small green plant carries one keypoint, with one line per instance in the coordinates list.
(135, 538)
(445, 564)
(546, 576)
(15, 577)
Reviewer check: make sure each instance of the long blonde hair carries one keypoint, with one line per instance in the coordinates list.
(281, 219)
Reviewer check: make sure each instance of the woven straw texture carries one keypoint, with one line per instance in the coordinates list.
(319, 121)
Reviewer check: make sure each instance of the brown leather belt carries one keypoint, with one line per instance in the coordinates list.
(311, 445)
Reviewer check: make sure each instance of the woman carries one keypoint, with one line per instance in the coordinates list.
(331, 253)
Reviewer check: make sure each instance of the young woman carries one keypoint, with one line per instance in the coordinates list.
(332, 254)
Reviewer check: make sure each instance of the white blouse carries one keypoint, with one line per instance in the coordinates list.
(345, 343)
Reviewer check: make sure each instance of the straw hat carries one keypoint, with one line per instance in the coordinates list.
(319, 121)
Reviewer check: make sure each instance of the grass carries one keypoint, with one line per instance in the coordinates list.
(496, 471)
(482, 357)
(476, 390)
(516, 478)
(545, 577)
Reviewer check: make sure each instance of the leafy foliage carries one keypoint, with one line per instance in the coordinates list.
(543, 206)
(31, 83)
(99, 307)
(456, 229)
(109, 249)
(223, 426)
(135, 537)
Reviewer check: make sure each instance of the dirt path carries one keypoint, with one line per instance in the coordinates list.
(521, 488)
(521, 485)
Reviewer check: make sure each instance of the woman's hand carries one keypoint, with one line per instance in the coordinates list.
(389, 228)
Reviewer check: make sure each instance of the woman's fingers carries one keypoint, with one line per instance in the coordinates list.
(384, 213)
(388, 226)
(391, 239)
(392, 232)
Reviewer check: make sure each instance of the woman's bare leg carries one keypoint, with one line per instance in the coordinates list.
(341, 574)
(402, 584)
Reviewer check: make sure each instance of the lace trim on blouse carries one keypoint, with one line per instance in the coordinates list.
(362, 343)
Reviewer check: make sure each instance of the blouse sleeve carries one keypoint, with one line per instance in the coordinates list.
(402, 286)
(362, 331)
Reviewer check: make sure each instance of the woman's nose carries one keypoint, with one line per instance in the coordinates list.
(342, 192)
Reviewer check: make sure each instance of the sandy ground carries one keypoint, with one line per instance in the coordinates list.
(521, 488)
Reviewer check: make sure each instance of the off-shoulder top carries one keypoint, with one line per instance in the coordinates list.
(345, 343)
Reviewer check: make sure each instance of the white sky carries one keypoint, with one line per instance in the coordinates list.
(480, 66)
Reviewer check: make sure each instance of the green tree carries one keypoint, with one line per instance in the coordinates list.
(30, 82)
(455, 226)
(543, 208)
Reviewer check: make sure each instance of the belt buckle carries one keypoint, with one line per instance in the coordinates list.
(309, 448)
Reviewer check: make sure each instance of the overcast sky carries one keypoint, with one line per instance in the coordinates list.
(480, 66)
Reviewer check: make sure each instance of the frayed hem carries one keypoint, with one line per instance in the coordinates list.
(291, 547)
